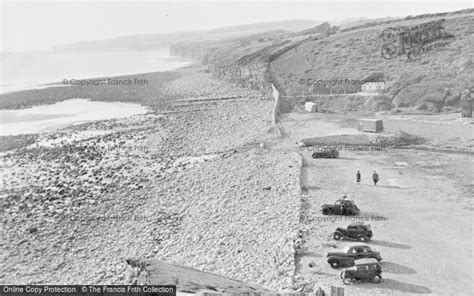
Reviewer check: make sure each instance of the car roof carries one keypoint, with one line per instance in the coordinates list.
(366, 261)
(356, 223)
(352, 245)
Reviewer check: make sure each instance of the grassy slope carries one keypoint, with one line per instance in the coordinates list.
(434, 81)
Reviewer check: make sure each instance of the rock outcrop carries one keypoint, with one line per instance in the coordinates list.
(189, 280)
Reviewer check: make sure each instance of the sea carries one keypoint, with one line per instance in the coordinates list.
(29, 70)
(34, 70)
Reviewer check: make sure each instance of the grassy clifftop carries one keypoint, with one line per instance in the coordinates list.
(433, 82)
(437, 81)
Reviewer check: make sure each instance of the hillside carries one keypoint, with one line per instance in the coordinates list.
(352, 22)
(160, 41)
(436, 81)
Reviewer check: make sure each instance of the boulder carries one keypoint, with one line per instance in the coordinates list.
(191, 280)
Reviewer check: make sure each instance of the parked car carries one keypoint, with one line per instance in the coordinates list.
(356, 230)
(341, 207)
(328, 153)
(352, 252)
(363, 269)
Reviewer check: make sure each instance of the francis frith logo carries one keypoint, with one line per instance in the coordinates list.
(416, 40)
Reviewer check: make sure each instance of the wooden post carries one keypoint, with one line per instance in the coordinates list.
(337, 291)
(276, 104)
(466, 108)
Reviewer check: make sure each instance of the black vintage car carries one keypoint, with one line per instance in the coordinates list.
(340, 207)
(356, 230)
(363, 269)
(328, 153)
(352, 252)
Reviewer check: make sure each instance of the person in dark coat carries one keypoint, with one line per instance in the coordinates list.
(343, 205)
(320, 292)
(358, 176)
(375, 177)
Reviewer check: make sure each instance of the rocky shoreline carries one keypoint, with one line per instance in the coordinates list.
(197, 187)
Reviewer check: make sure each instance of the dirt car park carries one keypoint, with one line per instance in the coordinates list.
(420, 212)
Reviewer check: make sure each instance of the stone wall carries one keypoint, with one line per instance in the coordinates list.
(339, 102)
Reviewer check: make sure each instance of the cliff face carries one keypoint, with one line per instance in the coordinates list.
(246, 61)
(252, 74)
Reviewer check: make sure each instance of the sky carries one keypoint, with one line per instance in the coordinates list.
(37, 25)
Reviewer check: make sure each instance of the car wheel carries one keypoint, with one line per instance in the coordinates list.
(347, 281)
(334, 264)
(315, 155)
(333, 156)
(326, 212)
(337, 236)
(363, 238)
(376, 279)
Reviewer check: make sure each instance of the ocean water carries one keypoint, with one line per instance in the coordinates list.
(21, 71)
(31, 70)
(46, 118)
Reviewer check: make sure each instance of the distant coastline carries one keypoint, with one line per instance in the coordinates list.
(33, 70)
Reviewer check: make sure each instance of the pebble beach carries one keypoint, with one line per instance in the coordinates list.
(194, 184)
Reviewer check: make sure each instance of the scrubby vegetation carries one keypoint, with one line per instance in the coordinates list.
(379, 103)
(434, 82)
(404, 139)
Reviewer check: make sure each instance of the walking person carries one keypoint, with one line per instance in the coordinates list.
(375, 177)
(343, 204)
(319, 292)
(358, 176)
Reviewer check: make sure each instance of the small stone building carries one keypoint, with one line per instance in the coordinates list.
(373, 87)
(370, 125)
(310, 107)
